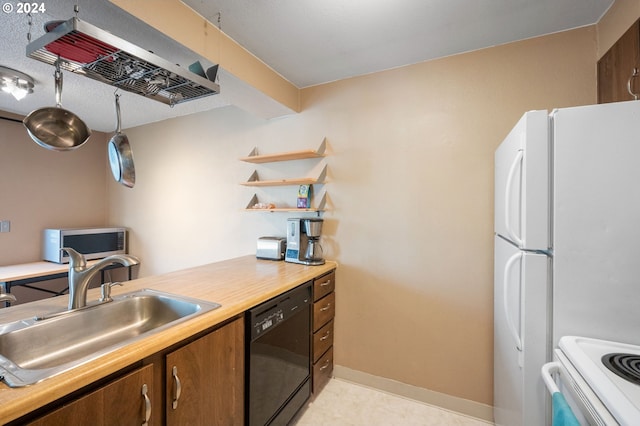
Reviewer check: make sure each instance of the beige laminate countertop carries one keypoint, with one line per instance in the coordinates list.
(237, 284)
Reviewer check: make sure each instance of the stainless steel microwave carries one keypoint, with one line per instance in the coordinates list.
(93, 243)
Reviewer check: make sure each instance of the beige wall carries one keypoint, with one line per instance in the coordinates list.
(411, 195)
(45, 189)
(414, 171)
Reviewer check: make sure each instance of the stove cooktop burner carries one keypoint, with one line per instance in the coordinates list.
(624, 365)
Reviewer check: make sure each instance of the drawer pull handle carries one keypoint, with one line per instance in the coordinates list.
(326, 365)
(326, 308)
(326, 283)
(326, 335)
(147, 405)
(178, 390)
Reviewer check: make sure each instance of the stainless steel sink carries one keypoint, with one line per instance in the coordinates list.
(34, 349)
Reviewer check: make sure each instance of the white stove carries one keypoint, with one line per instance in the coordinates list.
(604, 397)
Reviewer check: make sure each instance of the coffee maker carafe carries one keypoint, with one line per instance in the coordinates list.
(303, 241)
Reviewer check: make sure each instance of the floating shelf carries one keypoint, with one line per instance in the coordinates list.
(282, 182)
(320, 207)
(254, 180)
(255, 158)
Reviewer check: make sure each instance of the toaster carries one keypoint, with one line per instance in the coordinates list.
(272, 248)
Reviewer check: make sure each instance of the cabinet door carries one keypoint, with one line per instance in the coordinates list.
(119, 403)
(205, 379)
(127, 401)
(616, 67)
(83, 411)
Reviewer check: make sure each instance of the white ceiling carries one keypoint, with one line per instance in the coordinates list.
(309, 42)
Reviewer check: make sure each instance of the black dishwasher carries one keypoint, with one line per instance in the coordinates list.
(279, 358)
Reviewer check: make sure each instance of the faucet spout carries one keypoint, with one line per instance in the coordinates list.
(80, 275)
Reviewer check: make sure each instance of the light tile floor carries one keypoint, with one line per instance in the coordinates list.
(342, 403)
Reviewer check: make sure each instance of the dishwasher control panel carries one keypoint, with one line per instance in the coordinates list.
(270, 314)
(268, 322)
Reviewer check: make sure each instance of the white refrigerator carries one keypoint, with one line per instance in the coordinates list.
(567, 244)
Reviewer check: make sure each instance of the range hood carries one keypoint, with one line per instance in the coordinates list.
(90, 51)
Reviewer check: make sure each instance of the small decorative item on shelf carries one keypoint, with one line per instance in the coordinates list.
(304, 197)
(264, 206)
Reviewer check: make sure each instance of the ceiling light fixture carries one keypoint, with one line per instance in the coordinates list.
(15, 82)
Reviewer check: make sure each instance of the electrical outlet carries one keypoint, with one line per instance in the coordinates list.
(5, 226)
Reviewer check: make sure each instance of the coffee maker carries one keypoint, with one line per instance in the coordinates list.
(303, 241)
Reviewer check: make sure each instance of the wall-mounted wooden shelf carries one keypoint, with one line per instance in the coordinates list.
(281, 182)
(319, 208)
(256, 158)
(254, 180)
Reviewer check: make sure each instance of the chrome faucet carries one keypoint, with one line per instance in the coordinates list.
(80, 274)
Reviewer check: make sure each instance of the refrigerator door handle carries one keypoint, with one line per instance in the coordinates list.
(507, 198)
(510, 325)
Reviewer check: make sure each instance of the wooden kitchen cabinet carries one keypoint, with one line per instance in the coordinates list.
(322, 340)
(205, 379)
(121, 402)
(617, 67)
(210, 370)
(324, 305)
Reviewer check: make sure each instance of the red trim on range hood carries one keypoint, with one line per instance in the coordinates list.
(77, 47)
(80, 48)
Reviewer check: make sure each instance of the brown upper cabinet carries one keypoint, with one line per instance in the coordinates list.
(619, 69)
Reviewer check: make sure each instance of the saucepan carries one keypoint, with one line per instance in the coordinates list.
(56, 128)
(120, 154)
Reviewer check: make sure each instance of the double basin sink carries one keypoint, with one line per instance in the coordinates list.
(36, 348)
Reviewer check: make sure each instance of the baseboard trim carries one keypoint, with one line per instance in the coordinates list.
(459, 405)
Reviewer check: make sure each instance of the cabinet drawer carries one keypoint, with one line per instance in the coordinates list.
(322, 371)
(324, 285)
(323, 311)
(322, 340)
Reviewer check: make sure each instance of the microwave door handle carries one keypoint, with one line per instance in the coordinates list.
(507, 198)
(505, 299)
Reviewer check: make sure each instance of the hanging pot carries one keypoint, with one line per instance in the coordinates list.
(120, 154)
(56, 128)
